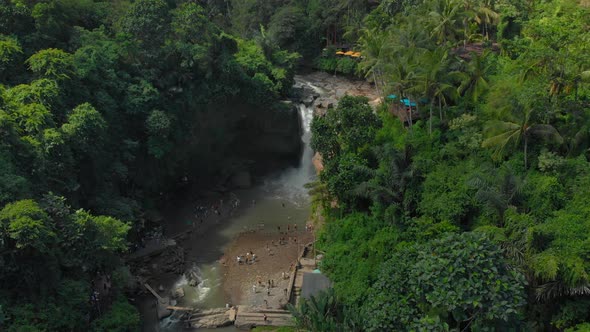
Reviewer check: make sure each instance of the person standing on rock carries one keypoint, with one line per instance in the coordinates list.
(254, 288)
(265, 319)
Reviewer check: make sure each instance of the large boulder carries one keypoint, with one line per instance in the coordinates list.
(178, 293)
(298, 90)
(308, 100)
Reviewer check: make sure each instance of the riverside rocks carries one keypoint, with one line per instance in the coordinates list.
(333, 88)
(178, 293)
(212, 318)
(193, 277)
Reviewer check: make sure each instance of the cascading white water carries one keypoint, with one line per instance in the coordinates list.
(290, 184)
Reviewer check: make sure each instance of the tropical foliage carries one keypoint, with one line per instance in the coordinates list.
(104, 106)
(470, 215)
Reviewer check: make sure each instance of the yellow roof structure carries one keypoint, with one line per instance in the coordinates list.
(340, 53)
(356, 54)
(349, 53)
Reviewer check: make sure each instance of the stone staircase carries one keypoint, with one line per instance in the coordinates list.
(248, 318)
(297, 284)
(307, 266)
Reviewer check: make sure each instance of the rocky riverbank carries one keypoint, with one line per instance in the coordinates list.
(322, 90)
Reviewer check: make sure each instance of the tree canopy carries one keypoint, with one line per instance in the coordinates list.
(466, 213)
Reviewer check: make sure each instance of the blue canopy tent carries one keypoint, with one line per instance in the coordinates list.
(404, 101)
(407, 103)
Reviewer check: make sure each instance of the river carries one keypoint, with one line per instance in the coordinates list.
(277, 200)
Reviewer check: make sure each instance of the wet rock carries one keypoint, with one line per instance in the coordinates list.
(325, 102)
(308, 100)
(330, 103)
(297, 90)
(341, 93)
(212, 318)
(178, 293)
(194, 279)
(162, 309)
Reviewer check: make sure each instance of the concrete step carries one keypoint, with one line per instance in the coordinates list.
(250, 319)
(269, 315)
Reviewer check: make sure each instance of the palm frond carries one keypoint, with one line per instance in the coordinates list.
(557, 289)
(547, 132)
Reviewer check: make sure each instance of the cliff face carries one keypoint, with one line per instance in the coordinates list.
(278, 133)
(272, 134)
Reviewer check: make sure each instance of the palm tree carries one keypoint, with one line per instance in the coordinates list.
(498, 194)
(486, 16)
(432, 79)
(373, 44)
(446, 16)
(388, 183)
(514, 130)
(402, 73)
(473, 77)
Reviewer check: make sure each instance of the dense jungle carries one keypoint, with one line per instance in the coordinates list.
(458, 202)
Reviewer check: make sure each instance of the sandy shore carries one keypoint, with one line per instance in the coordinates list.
(272, 260)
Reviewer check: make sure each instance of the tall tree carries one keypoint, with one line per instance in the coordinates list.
(516, 130)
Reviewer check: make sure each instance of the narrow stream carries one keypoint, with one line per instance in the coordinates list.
(280, 199)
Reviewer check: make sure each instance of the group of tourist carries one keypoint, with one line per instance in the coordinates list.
(289, 229)
(201, 212)
(249, 258)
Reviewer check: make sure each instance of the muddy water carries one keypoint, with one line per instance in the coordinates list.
(278, 200)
